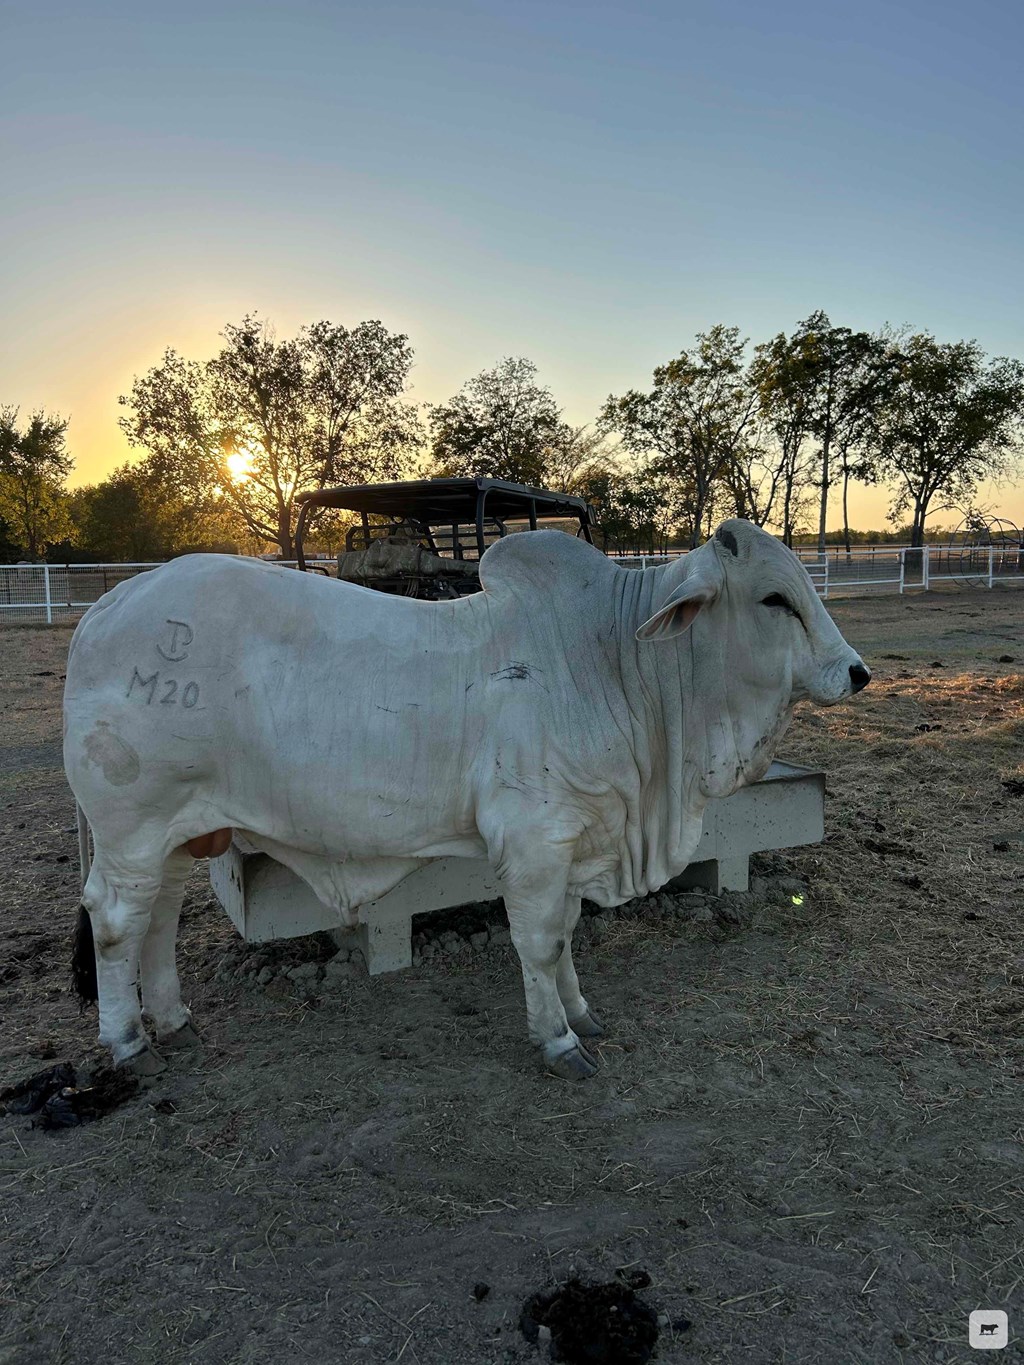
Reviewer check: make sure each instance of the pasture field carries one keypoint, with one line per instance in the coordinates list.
(808, 1127)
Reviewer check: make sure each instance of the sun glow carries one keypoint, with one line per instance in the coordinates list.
(239, 463)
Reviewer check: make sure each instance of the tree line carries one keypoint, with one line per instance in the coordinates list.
(776, 433)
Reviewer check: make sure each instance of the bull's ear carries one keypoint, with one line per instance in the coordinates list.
(681, 610)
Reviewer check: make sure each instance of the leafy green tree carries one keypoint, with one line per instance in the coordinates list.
(948, 421)
(34, 464)
(110, 522)
(134, 515)
(266, 418)
(692, 425)
(10, 550)
(503, 424)
(636, 514)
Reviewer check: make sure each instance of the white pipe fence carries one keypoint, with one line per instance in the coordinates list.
(62, 592)
(894, 568)
(57, 592)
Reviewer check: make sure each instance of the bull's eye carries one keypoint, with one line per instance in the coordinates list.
(776, 599)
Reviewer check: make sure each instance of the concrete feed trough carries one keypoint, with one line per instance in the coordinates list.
(267, 901)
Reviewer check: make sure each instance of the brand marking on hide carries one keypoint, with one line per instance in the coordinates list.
(149, 683)
(177, 640)
(173, 694)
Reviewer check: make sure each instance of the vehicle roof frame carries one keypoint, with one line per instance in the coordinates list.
(455, 501)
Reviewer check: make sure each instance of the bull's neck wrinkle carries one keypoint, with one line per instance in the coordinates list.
(658, 678)
(654, 665)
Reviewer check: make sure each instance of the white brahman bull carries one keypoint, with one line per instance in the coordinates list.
(570, 722)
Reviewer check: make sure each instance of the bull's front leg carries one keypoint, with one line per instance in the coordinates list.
(535, 901)
(582, 1019)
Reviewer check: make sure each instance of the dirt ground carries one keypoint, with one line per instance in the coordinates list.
(807, 1128)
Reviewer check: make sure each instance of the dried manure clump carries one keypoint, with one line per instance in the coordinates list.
(592, 1324)
(61, 1098)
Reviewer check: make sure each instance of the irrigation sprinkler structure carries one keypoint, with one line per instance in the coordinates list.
(982, 548)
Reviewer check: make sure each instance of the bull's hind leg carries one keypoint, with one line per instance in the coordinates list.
(119, 906)
(161, 991)
(582, 1019)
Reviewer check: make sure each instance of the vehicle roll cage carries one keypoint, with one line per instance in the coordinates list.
(419, 506)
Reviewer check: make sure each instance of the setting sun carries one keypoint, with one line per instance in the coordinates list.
(239, 463)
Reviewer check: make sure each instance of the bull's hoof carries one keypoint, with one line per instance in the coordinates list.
(186, 1036)
(148, 1062)
(587, 1025)
(575, 1065)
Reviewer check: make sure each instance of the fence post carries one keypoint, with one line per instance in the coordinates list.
(925, 569)
(991, 550)
(903, 569)
(825, 586)
(643, 561)
(46, 593)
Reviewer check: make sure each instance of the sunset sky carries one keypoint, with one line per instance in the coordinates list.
(586, 184)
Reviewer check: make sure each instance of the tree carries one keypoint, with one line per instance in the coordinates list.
(503, 424)
(829, 362)
(136, 515)
(10, 550)
(758, 478)
(948, 421)
(692, 424)
(265, 418)
(33, 466)
(577, 460)
(782, 373)
(111, 521)
(861, 395)
(636, 513)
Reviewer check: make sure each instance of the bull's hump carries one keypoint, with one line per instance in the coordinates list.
(544, 561)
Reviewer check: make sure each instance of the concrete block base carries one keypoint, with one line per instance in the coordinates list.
(266, 900)
(715, 875)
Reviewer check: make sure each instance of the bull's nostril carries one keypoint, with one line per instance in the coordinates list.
(859, 676)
